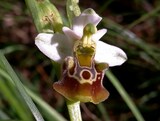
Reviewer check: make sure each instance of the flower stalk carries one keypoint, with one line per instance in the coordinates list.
(74, 110)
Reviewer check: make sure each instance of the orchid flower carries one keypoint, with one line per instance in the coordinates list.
(84, 58)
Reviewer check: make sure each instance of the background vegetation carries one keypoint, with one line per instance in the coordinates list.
(133, 26)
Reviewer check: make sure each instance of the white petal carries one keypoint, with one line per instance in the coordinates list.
(112, 55)
(87, 16)
(54, 46)
(71, 34)
(98, 34)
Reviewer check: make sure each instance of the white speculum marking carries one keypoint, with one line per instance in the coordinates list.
(84, 74)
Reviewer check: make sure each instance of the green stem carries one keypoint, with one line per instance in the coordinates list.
(125, 96)
(74, 110)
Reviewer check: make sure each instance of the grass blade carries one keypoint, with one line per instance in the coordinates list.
(144, 17)
(103, 112)
(124, 95)
(11, 97)
(3, 115)
(48, 111)
(20, 88)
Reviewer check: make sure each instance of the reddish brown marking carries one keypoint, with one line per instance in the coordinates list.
(86, 75)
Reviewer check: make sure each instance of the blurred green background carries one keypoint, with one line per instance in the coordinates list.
(133, 26)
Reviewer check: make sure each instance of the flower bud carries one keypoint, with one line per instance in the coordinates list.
(46, 17)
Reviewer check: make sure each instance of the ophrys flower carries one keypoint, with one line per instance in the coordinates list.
(83, 56)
